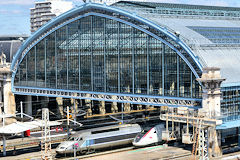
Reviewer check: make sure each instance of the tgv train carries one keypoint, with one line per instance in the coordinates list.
(88, 141)
(149, 136)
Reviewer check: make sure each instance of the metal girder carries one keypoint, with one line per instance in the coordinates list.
(123, 98)
(191, 120)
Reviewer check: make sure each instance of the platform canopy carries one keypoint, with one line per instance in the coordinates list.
(19, 127)
(228, 125)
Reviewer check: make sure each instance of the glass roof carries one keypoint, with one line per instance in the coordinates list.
(225, 35)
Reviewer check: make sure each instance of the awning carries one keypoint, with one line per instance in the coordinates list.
(229, 124)
(19, 127)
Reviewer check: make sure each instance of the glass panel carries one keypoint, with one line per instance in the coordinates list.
(40, 64)
(31, 67)
(23, 73)
(61, 58)
(17, 78)
(197, 90)
(155, 66)
(140, 64)
(125, 48)
(85, 49)
(184, 79)
(73, 56)
(226, 35)
(98, 54)
(170, 72)
(50, 61)
(112, 55)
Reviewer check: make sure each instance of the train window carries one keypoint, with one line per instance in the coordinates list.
(90, 142)
(114, 138)
(71, 138)
(145, 130)
(107, 130)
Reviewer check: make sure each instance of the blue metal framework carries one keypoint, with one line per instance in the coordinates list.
(230, 104)
(219, 35)
(122, 17)
(57, 23)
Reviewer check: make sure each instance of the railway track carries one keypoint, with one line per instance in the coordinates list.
(34, 143)
(97, 154)
(132, 149)
(175, 157)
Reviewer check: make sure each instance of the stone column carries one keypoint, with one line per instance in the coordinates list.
(71, 107)
(211, 81)
(102, 107)
(139, 106)
(29, 105)
(74, 107)
(60, 106)
(214, 142)
(114, 107)
(9, 100)
(88, 103)
(9, 105)
(127, 107)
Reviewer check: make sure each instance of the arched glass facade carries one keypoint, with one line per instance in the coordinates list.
(98, 54)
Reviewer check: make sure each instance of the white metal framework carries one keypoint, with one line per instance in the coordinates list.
(46, 140)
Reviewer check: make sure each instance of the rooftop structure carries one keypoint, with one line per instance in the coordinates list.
(110, 2)
(9, 44)
(212, 33)
(46, 10)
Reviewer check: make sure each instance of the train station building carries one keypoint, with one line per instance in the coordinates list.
(138, 54)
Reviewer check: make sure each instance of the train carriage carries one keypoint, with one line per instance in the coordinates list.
(99, 138)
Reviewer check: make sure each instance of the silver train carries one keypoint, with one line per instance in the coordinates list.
(149, 136)
(88, 141)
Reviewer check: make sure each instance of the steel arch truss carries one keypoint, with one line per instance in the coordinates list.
(119, 15)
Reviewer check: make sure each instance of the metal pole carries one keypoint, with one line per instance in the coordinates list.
(187, 123)
(4, 146)
(4, 138)
(21, 105)
(167, 121)
(74, 147)
(74, 107)
(68, 121)
(122, 113)
(3, 119)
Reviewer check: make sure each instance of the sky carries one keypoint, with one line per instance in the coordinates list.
(15, 14)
